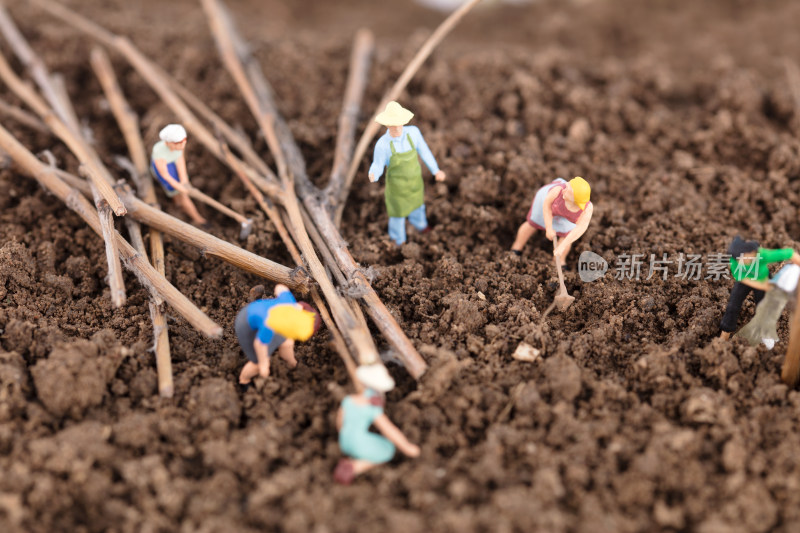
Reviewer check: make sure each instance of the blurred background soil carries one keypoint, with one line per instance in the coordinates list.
(635, 419)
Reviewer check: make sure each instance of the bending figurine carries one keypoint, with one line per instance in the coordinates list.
(265, 326)
(561, 209)
(357, 413)
(749, 267)
(398, 151)
(168, 166)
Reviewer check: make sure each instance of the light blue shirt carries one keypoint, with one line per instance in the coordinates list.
(383, 151)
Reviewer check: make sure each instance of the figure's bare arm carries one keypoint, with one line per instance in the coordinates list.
(580, 226)
(547, 212)
(161, 166)
(183, 175)
(393, 433)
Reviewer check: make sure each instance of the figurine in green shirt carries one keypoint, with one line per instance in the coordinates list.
(750, 270)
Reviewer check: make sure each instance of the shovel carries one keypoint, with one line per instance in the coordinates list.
(246, 223)
(563, 299)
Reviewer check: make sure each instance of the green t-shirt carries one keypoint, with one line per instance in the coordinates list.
(757, 270)
(160, 151)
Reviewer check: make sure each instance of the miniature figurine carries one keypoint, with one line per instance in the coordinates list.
(357, 413)
(560, 209)
(168, 166)
(749, 267)
(764, 325)
(398, 150)
(264, 326)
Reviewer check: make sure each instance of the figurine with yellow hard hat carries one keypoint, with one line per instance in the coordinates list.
(399, 151)
(265, 326)
(561, 209)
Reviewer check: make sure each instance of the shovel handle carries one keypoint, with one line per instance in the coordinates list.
(558, 267)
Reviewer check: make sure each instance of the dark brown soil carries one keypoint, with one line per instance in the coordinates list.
(635, 419)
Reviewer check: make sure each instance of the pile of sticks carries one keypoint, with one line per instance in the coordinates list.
(302, 214)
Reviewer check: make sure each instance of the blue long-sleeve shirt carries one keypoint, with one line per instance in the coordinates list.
(383, 152)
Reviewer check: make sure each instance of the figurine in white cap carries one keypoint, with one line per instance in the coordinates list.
(398, 151)
(168, 166)
(357, 413)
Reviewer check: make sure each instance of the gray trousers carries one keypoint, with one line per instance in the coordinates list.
(247, 335)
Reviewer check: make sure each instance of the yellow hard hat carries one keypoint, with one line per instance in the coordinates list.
(394, 115)
(581, 191)
(291, 322)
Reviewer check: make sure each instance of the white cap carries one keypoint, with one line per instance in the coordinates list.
(375, 377)
(172, 133)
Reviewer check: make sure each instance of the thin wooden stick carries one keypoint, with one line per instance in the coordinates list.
(126, 118)
(32, 63)
(115, 281)
(137, 264)
(233, 137)
(394, 93)
(221, 26)
(267, 119)
(161, 348)
(213, 246)
(59, 86)
(23, 117)
(348, 119)
(330, 261)
(61, 124)
(310, 195)
(62, 131)
(199, 195)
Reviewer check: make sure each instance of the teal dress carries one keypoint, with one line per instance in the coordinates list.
(355, 438)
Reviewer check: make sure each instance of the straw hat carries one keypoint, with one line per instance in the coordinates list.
(394, 115)
(375, 377)
(172, 133)
(581, 191)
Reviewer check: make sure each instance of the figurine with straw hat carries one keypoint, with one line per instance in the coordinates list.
(357, 413)
(398, 151)
(561, 209)
(265, 326)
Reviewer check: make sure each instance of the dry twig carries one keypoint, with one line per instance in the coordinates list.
(23, 117)
(129, 125)
(115, 281)
(211, 245)
(348, 120)
(267, 119)
(65, 131)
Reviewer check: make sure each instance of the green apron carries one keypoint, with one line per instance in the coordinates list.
(405, 190)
